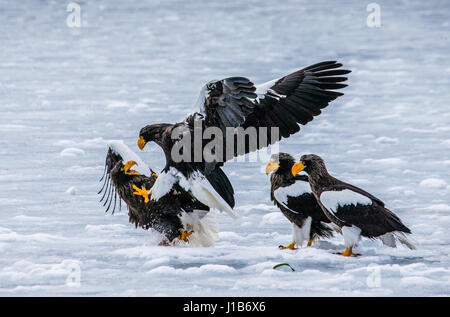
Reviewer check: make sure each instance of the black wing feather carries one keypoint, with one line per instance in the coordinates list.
(374, 219)
(222, 185)
(292, 100)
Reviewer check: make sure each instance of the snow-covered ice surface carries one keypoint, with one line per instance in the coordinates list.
(64, 92)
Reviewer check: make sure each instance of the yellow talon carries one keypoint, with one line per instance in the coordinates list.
(141, 192)
(154, 175)
(310, 242)
(349, 252)
(290, 247)
(184, 235)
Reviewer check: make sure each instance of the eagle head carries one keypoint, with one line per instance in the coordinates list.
(280, 163)
(310, 163)
(152, 132)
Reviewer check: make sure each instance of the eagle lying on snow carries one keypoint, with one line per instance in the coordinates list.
(230, 104)
(354, 210)
(177, 216)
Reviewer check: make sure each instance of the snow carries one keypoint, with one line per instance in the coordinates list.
(433, 183)
(71, 190)
(386, 140)
(133, 63)
(72, 151)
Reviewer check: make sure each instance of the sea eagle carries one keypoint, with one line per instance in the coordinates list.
(354, 210)
(178, 216)
(235, 104)
(293, 195)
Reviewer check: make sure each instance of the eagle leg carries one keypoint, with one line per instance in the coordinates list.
(184, 235)
(349, 252)
(290, 247)
(141, 192)
(310, 242)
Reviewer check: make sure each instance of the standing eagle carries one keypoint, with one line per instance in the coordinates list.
(293, 195)
(178, 216)
(354, 210)
(230, 108)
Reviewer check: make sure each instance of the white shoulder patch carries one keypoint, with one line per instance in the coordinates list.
(200, 187)
(265, 88)
(333, 199)
(196, 184)
(163, 185)
(120, 148)
(294, 190)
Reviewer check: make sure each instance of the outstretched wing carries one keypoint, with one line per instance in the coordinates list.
(227, 102)
(282, 103)
(297, 97)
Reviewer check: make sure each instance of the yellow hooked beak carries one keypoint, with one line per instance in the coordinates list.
(141, 143)
(127, 166)
(272, 167)
(297, 168)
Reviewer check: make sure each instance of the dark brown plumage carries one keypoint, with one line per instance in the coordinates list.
(354, 210)
(293, 195)
(235, 102)
(162, 215)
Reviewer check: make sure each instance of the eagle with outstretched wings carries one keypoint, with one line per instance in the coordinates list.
(178, 216)
(230, 107)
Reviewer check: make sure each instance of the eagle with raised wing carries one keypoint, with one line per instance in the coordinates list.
(178, 216)
(226, 113)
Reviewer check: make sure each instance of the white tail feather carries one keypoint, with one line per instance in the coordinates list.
(390, 239)
(204, 226)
